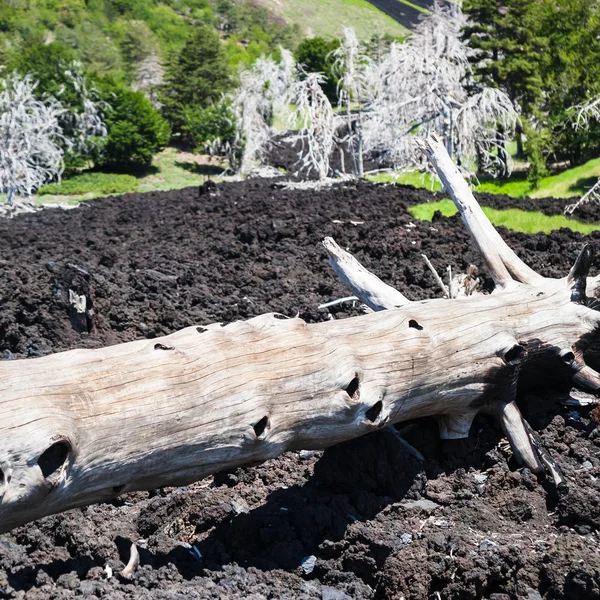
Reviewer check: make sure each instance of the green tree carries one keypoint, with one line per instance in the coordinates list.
(136, 130)
(196, 77)
(571, 72)
(508, 47)
(48, 64)
(137, 43)
(316, 55)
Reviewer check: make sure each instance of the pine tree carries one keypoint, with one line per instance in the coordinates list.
(196, 77)
(508, 47)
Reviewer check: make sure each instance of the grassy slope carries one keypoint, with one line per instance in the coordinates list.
(327, 18)
(567, 184)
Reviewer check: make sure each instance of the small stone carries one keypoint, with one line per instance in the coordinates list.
(406, 539)
(587, 465)
(308, 564)
(240, 506)
(443, 523)
(307, 454)
(487, 544)
(480, 477)
(329, 593)
(423, 504)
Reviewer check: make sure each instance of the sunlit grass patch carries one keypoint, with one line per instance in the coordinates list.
(511, 218)
(414, 178)
(567, 184)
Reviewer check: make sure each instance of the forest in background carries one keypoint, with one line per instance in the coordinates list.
(158, 71)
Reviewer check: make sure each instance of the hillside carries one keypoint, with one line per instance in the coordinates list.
(327, 18)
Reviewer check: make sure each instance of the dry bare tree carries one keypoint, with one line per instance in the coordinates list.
(31, 137)
(150, 74)
(581, 117)
(355, 71)
(85, 126)
(264, 89)
(317, 133)
(425, 85)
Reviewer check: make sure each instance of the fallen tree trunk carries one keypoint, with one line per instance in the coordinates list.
(87, 425)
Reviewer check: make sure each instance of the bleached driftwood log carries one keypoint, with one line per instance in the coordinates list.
(87, 425)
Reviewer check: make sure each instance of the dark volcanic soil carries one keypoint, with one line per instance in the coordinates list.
(361, 520)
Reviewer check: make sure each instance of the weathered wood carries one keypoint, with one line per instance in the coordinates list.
(504, 265)
(376, 294)
(87, 425)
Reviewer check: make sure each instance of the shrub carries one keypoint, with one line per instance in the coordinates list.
(203, 127)
(136, 130)
(102, 183)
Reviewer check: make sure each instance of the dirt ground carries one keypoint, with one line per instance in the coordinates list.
(361, 520)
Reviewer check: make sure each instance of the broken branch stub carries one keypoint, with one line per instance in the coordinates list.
(366, 286)
(84, 426)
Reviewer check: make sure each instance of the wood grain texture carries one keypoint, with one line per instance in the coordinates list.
(172, 410)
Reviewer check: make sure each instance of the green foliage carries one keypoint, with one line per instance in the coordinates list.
(197, 77)
(110, 37)
(136, 42)
(254, 24)
(509, 47)
(205, 126)
(97, 183)
(512, 218)
(534, 150)
(546, 54)
(315, 54)
(136, 130)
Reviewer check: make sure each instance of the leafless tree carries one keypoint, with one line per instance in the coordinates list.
(356, 79)
(150, 75)
(314, 113)
(31, 137)
(85, 126)
(425, 85)
(264, 89)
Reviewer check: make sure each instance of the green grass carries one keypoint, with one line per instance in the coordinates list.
(170, 170)
(102, 183)
(511, 218)
(327, 18)
(567, 184)
(414, 178)
(415, 6)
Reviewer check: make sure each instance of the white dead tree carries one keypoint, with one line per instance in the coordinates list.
(263, 90)
(314, 114)
(581, 117)
(83, 127)
(425, 86)
(355, 85)
(84, 426)
(31, 137)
